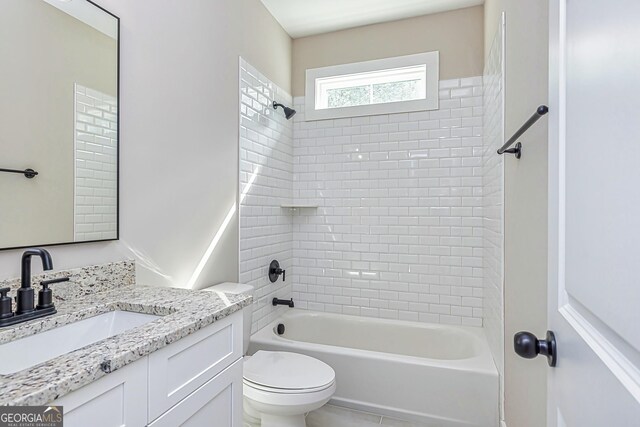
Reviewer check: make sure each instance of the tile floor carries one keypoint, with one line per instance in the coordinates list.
(334, 416)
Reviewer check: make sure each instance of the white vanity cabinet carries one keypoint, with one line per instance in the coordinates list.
(118, 399)
(218, 403)
(196, 381)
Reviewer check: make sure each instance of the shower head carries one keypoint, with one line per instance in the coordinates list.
(288, 112)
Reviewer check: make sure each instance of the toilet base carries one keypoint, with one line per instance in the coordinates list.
(254, 419)
(269, 420)
(282, 410)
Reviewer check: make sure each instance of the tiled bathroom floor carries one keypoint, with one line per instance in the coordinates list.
(334, 416)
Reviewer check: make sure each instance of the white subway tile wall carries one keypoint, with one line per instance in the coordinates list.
(398, 231)
(96, 162)
(493, 200)
(266, 183)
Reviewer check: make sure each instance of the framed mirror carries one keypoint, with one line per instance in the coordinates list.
(59, 123)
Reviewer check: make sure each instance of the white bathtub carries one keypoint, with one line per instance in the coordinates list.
(429, 373)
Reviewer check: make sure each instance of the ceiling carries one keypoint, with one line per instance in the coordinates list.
(89, 14)
(302, 18)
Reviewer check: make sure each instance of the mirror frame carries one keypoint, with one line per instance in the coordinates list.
(117, 153)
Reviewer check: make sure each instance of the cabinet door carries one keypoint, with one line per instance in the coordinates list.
(179, 369)
(116, 400)
(218, 403)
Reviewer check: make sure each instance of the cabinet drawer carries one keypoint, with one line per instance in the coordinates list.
(116, 400)
(218, 403)
(182, 367)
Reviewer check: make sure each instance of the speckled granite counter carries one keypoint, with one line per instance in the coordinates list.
(183, 311)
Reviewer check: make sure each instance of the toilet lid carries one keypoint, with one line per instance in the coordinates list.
(290, 371)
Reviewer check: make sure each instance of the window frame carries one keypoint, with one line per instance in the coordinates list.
(429, 59)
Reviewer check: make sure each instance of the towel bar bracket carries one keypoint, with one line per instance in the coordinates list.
(516, 150)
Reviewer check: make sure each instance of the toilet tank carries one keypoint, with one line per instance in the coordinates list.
(239, 288)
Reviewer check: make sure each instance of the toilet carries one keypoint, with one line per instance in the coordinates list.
(279, 387)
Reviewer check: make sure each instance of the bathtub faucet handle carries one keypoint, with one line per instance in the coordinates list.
(275, 271)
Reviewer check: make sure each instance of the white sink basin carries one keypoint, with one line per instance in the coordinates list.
(32, 350)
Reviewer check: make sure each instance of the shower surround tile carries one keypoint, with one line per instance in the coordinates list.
(493, 201)
(399, 229)
(266, 183)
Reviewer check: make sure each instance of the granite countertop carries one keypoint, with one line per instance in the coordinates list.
(184, 312)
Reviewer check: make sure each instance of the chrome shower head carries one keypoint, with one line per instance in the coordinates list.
(288, 112)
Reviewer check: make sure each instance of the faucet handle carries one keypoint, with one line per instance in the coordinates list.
(46, 283)
(275, 271)
(45, 296)
(5, 304)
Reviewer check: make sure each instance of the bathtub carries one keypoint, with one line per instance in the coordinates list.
(435, 374)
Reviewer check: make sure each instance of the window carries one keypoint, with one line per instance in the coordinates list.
(376, 87)
(392, 85)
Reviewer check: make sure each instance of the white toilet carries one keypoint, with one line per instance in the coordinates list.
(279, 387)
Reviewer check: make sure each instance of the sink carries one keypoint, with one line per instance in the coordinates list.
(32, 350)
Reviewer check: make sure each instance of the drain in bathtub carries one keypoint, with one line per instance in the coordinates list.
(280, 328)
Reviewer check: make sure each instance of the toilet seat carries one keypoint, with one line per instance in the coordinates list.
(284, 391)
(287, 373)
(289, 403)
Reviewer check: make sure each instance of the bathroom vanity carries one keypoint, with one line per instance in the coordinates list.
(193, 382)
(116, 354)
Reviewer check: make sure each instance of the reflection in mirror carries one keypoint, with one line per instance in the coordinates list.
(58, 117)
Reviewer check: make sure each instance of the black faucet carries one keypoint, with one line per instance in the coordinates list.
(25, 309)
(288, 303)
(24, 301)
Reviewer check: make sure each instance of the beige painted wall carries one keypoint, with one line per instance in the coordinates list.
(525, 203)
(179, 135)
(44, 53)
(458, 35)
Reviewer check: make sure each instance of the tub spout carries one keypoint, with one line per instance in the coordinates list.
(277, 301)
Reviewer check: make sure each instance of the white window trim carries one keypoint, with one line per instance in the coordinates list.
(431, 59)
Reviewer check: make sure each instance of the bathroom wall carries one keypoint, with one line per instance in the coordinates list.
(457, 34)
(266, 183)
(525, 284)
(493, 201)
(179, 137)
(398, 228)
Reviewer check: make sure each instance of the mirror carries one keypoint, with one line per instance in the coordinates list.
(58, 122)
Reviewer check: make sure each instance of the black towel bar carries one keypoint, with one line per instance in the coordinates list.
(28, 173)
(517, 150)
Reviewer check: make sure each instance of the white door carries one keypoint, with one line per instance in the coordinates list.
(594, 212)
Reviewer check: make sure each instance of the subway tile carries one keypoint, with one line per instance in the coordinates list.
(395, 190)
